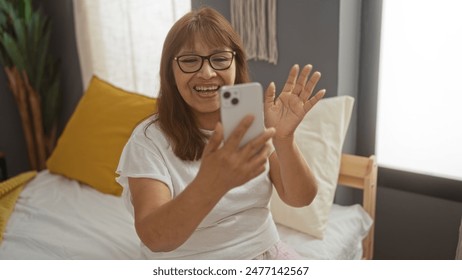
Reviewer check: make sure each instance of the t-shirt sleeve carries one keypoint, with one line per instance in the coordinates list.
(142, 158)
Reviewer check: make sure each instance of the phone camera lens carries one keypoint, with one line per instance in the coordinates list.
(227, 94)
(234, 101)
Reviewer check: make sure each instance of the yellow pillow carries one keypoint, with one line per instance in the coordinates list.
(90, 146)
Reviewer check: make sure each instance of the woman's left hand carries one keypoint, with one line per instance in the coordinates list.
(287, 110)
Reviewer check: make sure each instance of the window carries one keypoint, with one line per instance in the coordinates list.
(420, 88)
(121, 40)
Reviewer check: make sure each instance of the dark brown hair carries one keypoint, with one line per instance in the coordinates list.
(174, 116)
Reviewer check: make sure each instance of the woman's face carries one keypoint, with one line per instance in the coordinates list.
(200, 89)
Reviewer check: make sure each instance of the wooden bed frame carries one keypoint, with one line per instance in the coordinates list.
(361, 173)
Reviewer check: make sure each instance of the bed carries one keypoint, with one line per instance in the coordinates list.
(73, 209)
(350, 229)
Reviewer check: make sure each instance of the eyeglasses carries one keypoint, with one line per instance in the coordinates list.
(191, 63)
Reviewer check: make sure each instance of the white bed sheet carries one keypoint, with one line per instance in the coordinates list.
(57, 218)
(346, 228)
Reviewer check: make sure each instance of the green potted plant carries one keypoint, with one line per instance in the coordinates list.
(33, 74)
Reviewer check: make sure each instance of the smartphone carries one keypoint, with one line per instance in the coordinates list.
(240, 100)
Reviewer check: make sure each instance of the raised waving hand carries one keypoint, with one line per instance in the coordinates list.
(296, 99)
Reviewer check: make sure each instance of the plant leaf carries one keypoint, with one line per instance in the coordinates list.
(21, 37)
(12, 49)
(25, 34)
(51, 106)
(27, 10)
(39, 49)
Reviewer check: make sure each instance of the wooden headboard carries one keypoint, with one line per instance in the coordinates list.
(361, 173)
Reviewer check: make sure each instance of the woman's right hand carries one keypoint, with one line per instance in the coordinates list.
(229, 165)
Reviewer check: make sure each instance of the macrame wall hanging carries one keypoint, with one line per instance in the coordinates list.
(255, 21)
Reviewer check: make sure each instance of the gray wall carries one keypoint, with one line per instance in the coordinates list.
(413, 226)
(299, 40)
(63, 46)
(11, 136)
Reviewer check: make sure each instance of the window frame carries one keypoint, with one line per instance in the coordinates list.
(445, 188)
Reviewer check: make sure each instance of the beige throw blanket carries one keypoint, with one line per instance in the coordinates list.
(9, 193)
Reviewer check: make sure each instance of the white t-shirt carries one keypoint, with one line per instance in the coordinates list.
(240, 226)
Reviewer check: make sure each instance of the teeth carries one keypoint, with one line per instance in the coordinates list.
(205, 88)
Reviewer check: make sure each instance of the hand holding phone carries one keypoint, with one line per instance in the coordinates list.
(240, 100)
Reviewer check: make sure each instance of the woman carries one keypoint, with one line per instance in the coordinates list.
(194, 195)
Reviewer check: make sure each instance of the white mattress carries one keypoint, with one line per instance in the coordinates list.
(57, 218)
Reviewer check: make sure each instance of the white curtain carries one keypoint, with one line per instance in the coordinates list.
(120, 41)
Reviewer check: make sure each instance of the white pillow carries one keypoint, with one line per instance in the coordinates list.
(320, 138)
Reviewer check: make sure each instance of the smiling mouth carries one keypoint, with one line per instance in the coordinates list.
(206, 90)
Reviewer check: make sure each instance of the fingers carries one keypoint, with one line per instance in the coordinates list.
(290, 83)
(303, 84)
(256, 153)
(270, 95)
(215, 140)
(308, 88)
(301, 81)
(233, 166)
(310, 85)
(313, 100)
(256, 164)
(238, 133)
(256, 144)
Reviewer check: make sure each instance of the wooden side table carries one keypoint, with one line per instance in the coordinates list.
(3, 171)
